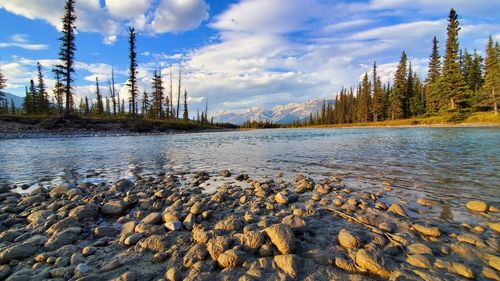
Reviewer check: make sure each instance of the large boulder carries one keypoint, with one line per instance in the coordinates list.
(282, 237)
(31, 200)
(68, 236)
(62, 225)
(84, 212)
(17, 252)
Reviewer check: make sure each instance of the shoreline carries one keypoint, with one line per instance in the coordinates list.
(175, 227)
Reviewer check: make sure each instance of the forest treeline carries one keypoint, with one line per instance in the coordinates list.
(157, 104)
(459, 81)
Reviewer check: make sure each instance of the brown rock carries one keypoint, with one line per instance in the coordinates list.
(229, 258)
(426, 230)
(348, 240)
(418, 260)
(217, 246)
(289, 264)
(281, 236)
(477, 206)
(372, 262)
(397, 209)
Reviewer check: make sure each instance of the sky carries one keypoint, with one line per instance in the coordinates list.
(237, 54)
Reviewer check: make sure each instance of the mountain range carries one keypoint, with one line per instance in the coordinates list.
(280, 114)
(18, 101)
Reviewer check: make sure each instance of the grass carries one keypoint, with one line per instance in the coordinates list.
(478, 118)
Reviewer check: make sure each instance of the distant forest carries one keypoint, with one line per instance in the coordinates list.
(457, 81)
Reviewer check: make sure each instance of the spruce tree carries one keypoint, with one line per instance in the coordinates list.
(12, 107)
(377, 100)
(58, 91)
(132, 83)
(100, 105)
(145, 105)
(87, 106)
(108, 107)
(397, 95)
(43, 99)
(364, 100)
(185, 114)
(408, 94)
(3, 85)
(492, 73)
(433, 87)
(67, 53)
(453, 81)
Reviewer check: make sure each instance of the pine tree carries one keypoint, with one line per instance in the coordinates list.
(157, 95)
(408, 94)
(145, 104)
(453, 81)
(30, 101)
(87, 107)
(12, 107)
(433, 81)
(100, 105)
(417, 105)
(132, 83)
(3, 85)
(397, 95)
(492, 73)
(377, 100)
(58, 91)
(108, 107)
(67, 53)
(179, 92)
(364, 101)
(185, 114)
(43, 99)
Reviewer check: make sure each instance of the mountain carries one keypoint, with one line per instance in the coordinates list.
(280, 114)
(18, 101)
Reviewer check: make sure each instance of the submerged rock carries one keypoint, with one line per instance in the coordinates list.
(397, 209)
(477, 206)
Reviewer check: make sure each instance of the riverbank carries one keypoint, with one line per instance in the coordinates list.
(478, 119)
(21, 127)
(225, 226)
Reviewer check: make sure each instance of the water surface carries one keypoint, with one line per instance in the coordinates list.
(448, 164)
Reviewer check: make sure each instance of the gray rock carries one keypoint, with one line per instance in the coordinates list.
(114, 208)
(133, 239)
(68, 236)
(17, 252)
(84, 212)
(81, 270)
(105, 231)
(173, 225)
(152, 218)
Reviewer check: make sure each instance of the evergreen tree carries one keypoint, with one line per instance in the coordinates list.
(364, 100)
(112, 92)
(185, 114)
(3, 85)
(453, 81)
(377, 100)
(408, 94)
(30, 99)
(157, 95)
(99, 103)
(108, 107)
(492, 73)
(43, 99)
(145, 104)
(433, 81)
(122, 108)
(179, 92)
(67, 52)
(132, 83)
(12, 107)
(87, 107)
(58, 91)
(398, 93)
(417, 105)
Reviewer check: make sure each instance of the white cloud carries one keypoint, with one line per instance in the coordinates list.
(21, 41)
(111, 20)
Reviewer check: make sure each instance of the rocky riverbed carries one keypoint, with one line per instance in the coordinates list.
(221, 226)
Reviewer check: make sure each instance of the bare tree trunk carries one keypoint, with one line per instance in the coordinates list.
(452, 103)
(495, 104)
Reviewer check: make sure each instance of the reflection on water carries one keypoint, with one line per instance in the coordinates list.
(447, 164)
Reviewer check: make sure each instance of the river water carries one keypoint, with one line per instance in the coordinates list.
(451, 165)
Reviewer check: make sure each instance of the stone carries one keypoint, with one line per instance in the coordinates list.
(173, 274)
(345, 264)
(9, 235)
(426, 202)
(128, 228)
(196, 253)
(196, 209)
(419, 248)
(463, 270)
(68, 236)
(173, 225)
(217, 245)
(372, 262)
(231, 223)
(88, 251)
(105, 231)
(253, 239)
(154, 243)
(282, 237)
(189, 221)
(487, 272)
(426, 230)
(17, 252)
(386, 226)
(418, 260)
(477, 206)
(348, 240)
(123, 184)
(39, 217)
(31, 200)
(494, 226)
(494, 261)
(114, 208)
(5, 271)
(229, 258)
(58, 191)
(225, 173)
(171, 216)
(61, 262)
(133, 239)
(290, 264)
(294, 221)
(281, 198)
(397, 209)
(471, 239)
(152, 218)
(84, 212)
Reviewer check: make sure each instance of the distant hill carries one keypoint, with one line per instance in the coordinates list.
(18, 101)
(281, 114)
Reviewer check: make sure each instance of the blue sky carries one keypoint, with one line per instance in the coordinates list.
(238, 54)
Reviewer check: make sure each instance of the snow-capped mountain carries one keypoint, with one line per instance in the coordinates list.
(280, 114)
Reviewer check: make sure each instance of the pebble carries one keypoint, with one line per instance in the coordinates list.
(477, 206)
(426, 230)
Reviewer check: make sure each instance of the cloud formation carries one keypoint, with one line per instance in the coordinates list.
(112, 18)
